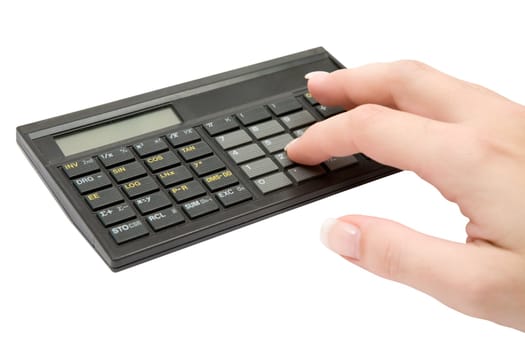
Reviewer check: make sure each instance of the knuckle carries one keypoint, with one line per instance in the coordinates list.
(391, 262)
(402, 70)
(478, 291)
(368, 109)
(471, 147)
(365, 114)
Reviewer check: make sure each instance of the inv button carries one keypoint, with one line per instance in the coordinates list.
(80, 167)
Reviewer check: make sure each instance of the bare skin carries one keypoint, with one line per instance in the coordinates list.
(410, 116)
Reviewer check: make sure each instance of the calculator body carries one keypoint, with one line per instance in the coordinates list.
(157, 172)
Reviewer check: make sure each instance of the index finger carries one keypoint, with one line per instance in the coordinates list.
(389, 136)
(409, 86)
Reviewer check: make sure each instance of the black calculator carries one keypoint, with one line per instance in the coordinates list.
(157, 172)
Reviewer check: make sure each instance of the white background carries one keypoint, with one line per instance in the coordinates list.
(271, 285)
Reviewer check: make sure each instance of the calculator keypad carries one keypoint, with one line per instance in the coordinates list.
(172, 179)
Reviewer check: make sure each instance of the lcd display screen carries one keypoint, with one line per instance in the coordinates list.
(118, 130)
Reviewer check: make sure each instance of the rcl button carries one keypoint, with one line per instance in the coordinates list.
(165, 218)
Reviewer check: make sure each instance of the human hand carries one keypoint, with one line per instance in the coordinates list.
(465, 140)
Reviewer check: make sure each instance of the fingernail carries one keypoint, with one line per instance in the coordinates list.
(341, 237)
(316, 73)
(289, 143)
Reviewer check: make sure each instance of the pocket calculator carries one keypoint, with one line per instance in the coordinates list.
(157, 172)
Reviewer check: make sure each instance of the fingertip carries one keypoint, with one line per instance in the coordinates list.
(317, 82)
(289, 144)
(341, 237)
(315, 74)
(299, 153)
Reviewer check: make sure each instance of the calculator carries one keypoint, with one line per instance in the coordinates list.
(157, 172)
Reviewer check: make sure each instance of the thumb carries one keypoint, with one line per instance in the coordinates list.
(443, 269)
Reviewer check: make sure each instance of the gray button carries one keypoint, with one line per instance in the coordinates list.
(272, 182)
(233, 139)
(298, 119)
(245, 153)
(266, 129)
(282, 158)
(340, 162)
(302, 173)
(259, 167)
(277, 143)
(284, 106)
(254, 115)
(299, 132)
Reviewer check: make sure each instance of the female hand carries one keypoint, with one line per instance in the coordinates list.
(465, 140)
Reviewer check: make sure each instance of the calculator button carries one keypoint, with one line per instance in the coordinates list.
(162, 161)
(199, 207)
(299, 132)
(220, 125)
(90, 183)
(283, 160)
(233, 195)
(298, 119)
(128, 231)
(336, 163)
(272, 182)
(172, 176)
(302, 173)
(80, 167)
(165, 218)
(181, 137)
(127, 171)
(116, 214)
(219, 180)
(116, 156)
(327, 111)
(308, 96)
(245, 153)
(269, 128)
(233, 139)
(139, 187)
(285, 105)
(152, 202)
(277, 143)
(187, 190)
(253, 115)
(194, 151)
(103, 198)
(259, 167)
(207, 165)
(151, 146)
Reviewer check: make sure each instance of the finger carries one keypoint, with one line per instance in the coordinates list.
(406, 85)
(454, 273)
(391, 137)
